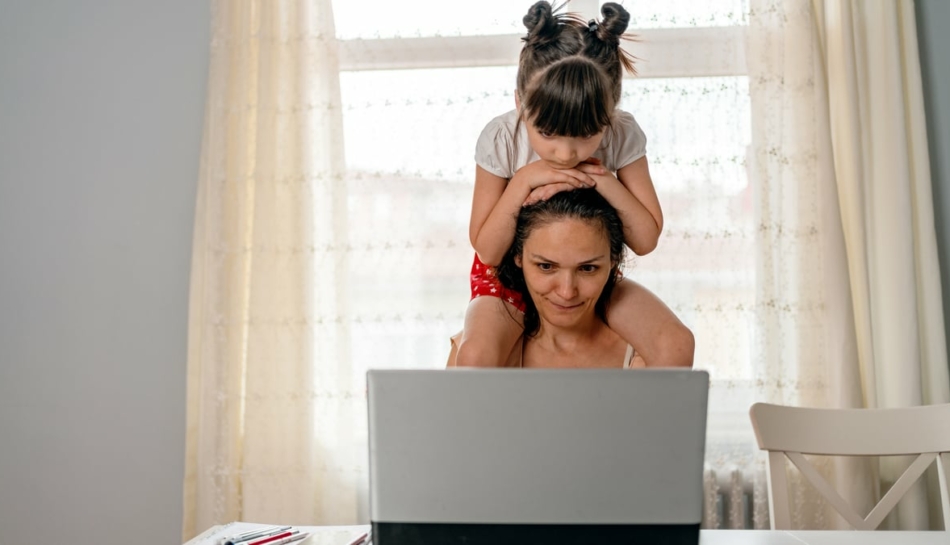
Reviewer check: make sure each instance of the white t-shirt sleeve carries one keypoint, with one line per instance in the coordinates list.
(627, 142)
(493, 151)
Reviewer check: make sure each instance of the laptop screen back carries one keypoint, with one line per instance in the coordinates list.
(507, 449)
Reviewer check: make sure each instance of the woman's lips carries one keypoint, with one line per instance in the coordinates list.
(564, 308)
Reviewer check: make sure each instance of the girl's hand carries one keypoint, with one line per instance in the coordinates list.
(591, 167)
(545, 192)
(540, 173)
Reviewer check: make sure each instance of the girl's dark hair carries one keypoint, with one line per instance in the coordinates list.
(551, 37)
(602, 44)
(583, 204)
(571, 97)
(570, 73)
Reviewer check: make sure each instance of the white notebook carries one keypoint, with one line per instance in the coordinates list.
(319, 535)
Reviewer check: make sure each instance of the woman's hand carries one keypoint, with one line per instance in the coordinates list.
(551, 181)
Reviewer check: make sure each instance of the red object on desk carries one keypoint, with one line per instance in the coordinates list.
(359, 540)
(274, 538)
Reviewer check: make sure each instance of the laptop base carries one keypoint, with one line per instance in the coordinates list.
(401, 533)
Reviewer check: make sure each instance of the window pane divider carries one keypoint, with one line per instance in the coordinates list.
(661, 53)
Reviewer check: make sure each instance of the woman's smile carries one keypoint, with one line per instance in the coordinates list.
(564, 307)
(566, 264)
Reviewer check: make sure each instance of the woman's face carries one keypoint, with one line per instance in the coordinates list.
(566, 264)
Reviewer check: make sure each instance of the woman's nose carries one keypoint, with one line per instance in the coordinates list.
(567, 287)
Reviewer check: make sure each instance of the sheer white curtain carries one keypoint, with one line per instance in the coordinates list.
(795, 310)
(883, 180)
(331, 232)
(267, 428)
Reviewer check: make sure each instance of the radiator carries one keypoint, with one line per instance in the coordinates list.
(729, 500)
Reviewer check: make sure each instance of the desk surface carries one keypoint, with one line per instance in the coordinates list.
(779, 537)
(342, 535)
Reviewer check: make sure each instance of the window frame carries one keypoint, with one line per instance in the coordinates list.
(674, 51)
(686, 52)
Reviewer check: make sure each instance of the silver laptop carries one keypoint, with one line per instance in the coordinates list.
(536, 456)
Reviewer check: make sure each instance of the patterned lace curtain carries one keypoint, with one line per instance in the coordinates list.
(270, 394)
(805, 352)
(332, 229)
(752, 257)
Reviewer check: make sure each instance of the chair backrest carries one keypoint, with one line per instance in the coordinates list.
(790, 432)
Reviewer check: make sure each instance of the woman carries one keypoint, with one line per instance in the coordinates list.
(565, 261)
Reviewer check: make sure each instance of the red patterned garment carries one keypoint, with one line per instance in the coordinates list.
(485, 283)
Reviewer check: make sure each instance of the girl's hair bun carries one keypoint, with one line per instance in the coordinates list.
(614, 21)
(540, 21)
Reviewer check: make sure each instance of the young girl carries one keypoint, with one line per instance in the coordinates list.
(565, 133)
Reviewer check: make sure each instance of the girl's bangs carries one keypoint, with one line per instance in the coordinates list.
(555, 110)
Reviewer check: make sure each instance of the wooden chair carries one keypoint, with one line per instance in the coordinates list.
(793, 431)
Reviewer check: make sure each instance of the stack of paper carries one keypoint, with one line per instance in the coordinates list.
(319, 535)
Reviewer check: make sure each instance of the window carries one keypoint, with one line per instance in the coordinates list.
(417, 92)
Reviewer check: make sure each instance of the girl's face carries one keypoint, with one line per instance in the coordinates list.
(562, 152)
(566, 264)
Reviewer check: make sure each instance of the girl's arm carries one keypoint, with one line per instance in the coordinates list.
(632, 193)
(497, 201)
(495, 205)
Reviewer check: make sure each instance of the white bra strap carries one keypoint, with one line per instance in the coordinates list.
(628, 357)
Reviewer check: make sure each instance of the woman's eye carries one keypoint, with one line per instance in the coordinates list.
(588, 268)
(545, 266)
(545, 134)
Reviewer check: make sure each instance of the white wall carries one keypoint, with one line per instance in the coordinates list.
(101, 105)
(933, 19)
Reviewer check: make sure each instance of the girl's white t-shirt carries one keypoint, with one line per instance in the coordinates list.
(502, 151)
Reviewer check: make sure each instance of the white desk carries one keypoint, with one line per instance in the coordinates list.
(780, 537)
(340, 535)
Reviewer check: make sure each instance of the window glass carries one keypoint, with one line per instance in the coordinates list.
(410, 138)
(390, 19)
(685, 13)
